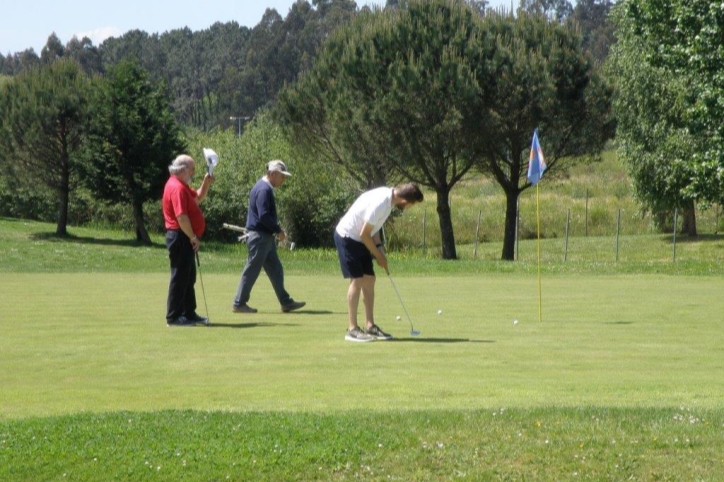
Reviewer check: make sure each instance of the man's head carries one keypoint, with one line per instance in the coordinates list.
(183, 167)
(407, 195)
(276, 172)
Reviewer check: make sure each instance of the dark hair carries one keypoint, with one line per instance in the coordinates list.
(410, 193)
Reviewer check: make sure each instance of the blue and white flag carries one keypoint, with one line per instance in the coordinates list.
(537, 163)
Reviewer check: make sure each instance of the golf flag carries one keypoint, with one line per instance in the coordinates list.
(536, 168)
(537, 163)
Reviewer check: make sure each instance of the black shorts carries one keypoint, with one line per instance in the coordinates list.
(354, 257)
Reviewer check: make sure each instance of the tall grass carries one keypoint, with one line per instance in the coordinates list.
(593, 193)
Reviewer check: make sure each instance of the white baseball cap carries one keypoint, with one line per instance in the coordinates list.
(278, 166)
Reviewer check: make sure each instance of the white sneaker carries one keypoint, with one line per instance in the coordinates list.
(358, 336)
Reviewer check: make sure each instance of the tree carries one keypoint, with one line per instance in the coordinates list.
(554, 10)
(653, 135)
(44, 116)
(85, 54)
(685, 39)
(394, 93)
(432, 90)
(535, 75)
(135, 139)
(592, 17)
(53, 50)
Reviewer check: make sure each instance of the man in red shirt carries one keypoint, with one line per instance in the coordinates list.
(185, 224)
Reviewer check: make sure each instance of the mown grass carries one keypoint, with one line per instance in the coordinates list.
(549, 444)
(620, 381)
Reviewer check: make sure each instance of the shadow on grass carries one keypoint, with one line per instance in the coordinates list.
(70, 238)
(618, 322)
(685, 238)
(317, 312)
(247, 325)
(439, 340)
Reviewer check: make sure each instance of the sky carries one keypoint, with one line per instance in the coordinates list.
(28, 25)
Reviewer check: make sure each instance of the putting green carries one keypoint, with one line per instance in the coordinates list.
(98, 342)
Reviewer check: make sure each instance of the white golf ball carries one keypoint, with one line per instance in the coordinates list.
(439, 312)
(515, 322)
(399, 317)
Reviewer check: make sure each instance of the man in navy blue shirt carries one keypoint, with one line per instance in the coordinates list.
(262, 225)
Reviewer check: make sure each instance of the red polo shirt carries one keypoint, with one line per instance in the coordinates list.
(178, 199)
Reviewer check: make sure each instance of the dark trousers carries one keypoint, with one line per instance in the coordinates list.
(181, 294)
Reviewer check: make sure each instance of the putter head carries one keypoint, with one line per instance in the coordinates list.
(414, 333)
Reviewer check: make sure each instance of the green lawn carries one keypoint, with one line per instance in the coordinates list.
(620, 381)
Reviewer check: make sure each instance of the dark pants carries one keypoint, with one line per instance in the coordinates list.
(262, 254)
(181, 294)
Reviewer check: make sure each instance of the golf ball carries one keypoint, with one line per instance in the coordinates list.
(399, 317)
(515, 322)
(439, 312)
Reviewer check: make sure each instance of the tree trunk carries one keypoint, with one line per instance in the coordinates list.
(688, 224)
(63, 198)
(141, 232)
(63, 195)
(446, 227)
(511, 214)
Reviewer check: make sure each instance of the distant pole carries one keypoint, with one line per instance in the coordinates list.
(618, 232)
(568, 223)
(239, 119)
(676, 221)
(477, 232)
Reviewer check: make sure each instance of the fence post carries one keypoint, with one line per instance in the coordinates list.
(618, 232)
(568, 223)
(477, 231)
(676, 221)
(586, 212)
(517, 229)
(424, 223)
(716, 220)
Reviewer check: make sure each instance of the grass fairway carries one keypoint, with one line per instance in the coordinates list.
(622, 380)
(98, 342)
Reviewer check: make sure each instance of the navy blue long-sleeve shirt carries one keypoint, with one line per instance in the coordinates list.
(262, 213)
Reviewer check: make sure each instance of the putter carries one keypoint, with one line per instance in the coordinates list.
(413, 332)
(203, 290)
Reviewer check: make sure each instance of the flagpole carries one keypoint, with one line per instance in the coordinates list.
(540, 297)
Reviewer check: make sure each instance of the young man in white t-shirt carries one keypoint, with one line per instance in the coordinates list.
(357, 237)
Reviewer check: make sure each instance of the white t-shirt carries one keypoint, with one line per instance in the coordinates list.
(372, 207)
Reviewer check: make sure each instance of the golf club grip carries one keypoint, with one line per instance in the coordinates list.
(198, 262)
(233, 227)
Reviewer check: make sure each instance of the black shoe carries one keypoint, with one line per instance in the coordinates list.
(196, 318)
(181, 321)
(294, 305)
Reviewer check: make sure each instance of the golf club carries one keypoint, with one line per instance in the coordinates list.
(413, 332)
(203, 290)
(238, 229)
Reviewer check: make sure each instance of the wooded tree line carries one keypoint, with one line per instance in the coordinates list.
(424, 91)
(229, 70)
